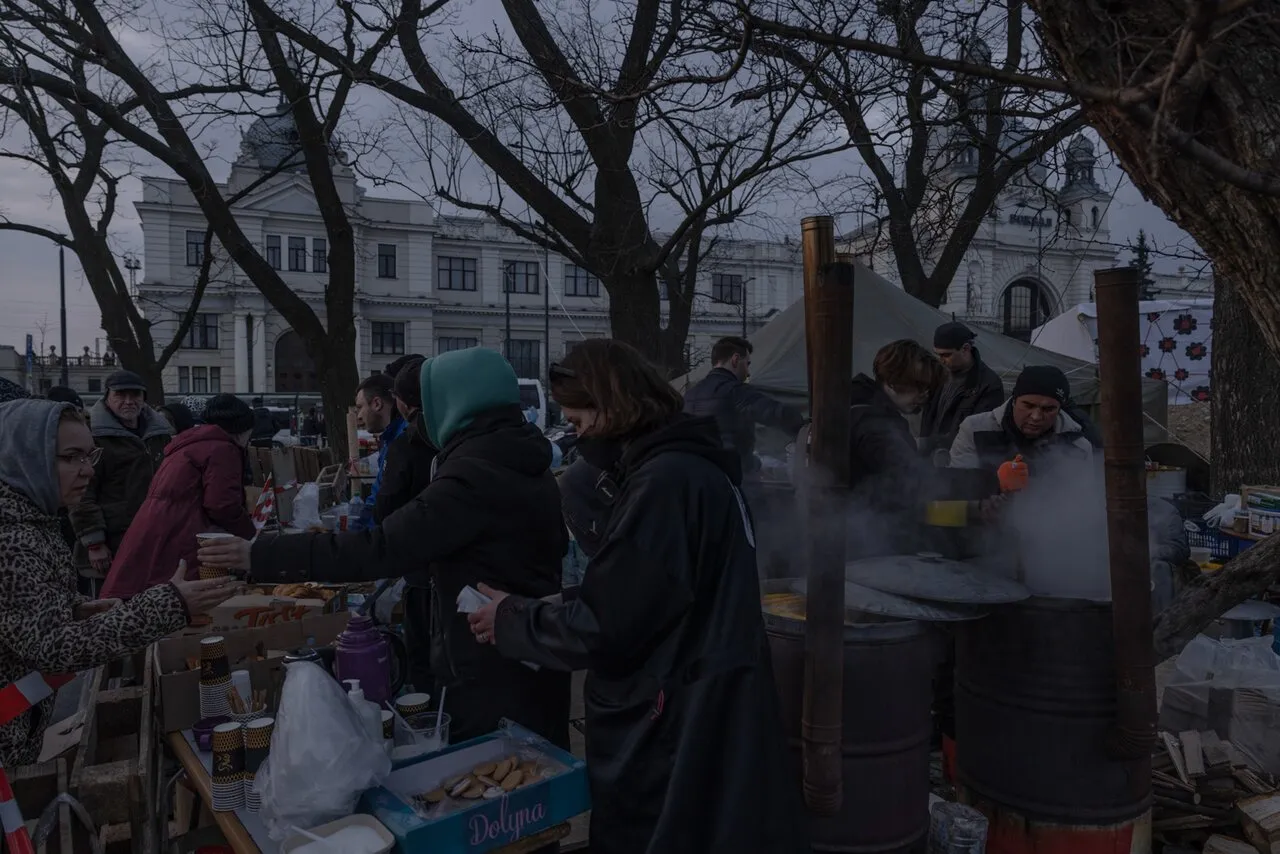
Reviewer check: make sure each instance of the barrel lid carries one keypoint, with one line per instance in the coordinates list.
(1253, 611)
(935, 579)
(858, 597)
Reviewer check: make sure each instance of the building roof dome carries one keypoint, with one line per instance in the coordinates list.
(272, 141)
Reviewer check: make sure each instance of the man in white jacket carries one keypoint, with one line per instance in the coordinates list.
(1031, 423)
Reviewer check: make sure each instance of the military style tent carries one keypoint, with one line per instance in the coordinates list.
(882, 313)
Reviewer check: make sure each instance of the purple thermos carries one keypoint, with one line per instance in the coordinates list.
(372, 655)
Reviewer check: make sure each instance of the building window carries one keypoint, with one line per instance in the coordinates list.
(199, 380)
(388, 339)
(451, 343)
(319, 255)
(520, 277)
(203, 334)
(184, 380)
(726, 287)
(95, 385)
(523, 356)
(195, 248)
(1026, 306)
(386, 261)
(215, 381)
(455, 274)
(1095, 217)
(45, 385)
(273, 251)
(663, 294)
(297, 254)
(579, 282)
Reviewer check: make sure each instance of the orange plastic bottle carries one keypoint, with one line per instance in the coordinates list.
(1013, 475)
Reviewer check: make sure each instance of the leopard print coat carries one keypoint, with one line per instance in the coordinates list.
(38, 625)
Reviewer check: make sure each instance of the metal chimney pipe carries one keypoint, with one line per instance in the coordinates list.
(829, 336)
(817, 250)
(1120, 380)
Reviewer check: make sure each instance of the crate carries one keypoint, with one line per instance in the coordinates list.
(34, 788)
(115, 766)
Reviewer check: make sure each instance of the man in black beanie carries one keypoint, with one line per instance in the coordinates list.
(1034, 423)
(971, 387)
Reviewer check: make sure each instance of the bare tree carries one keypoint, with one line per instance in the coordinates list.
(938, 148)
(221, 61)
(74, 149)
(602, 127)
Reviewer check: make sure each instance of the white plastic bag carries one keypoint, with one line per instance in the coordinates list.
(306, 506)
(322, 759)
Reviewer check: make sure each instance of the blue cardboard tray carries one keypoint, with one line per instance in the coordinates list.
(487, 824)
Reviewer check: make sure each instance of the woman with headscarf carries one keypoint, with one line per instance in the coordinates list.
(490, 515)
(46, 462)
(685, 748)
(199, 487)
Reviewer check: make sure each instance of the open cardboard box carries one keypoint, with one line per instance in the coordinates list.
(481, 825)
(179, 686)
(255, 610)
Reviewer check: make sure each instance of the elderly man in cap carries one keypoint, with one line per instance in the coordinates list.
(132, 437)
(1033, 423)
(971, 387)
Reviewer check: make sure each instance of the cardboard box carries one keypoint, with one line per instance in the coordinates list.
(179, 686)
(484, 824)
(258, 610)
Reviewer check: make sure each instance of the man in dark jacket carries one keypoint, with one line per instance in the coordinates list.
(723, 394)
(490, 515)
(132, 437)
(376, 412)
(971, 387)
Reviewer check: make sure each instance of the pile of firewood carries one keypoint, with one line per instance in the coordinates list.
(1208, 798)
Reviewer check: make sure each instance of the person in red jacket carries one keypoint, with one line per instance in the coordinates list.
(198, 488)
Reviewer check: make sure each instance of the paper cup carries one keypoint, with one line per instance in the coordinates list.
(388, 724)
(412, 704)
(209, 573)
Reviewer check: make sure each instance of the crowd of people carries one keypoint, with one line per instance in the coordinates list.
(667, 621)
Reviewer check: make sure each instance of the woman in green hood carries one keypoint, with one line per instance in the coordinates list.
(490, 515)
(46, 462)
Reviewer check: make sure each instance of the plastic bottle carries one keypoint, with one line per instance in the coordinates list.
(369, 713)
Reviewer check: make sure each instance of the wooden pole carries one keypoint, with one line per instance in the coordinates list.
(829, 338)
(817, 250)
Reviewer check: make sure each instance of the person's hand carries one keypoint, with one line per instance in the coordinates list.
(226, 553)
(482, 621)
(990, 508)
(85, 610)
(100, 557)
(202, 596)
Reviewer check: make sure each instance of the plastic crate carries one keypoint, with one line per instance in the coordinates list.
(1221, 546)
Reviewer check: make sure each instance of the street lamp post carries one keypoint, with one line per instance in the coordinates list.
(62, 297)
(133, 265)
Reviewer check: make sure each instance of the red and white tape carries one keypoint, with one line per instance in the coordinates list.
(16, 698)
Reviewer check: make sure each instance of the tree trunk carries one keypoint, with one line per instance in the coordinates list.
(635, 317)
(338, 380)
(1246, 397)
(1234, 109)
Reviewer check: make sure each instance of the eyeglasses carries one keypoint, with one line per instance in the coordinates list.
(76, 458)
(560, 372)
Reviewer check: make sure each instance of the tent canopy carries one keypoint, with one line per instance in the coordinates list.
(883, 313)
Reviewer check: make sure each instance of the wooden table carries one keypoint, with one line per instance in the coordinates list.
(242, 843)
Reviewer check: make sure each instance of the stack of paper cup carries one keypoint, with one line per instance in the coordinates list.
(257, 743)
(215, 677)
(407, 705)
(207, 572)
(228, 767)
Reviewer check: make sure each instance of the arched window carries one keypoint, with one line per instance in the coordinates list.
(295, 372)
(1095, 217)
(1026, 306)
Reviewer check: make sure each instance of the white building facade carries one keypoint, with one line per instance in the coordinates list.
(424, 284)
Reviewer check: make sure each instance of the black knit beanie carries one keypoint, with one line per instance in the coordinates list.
(952, 336)
(1045, 380)
(228, 412)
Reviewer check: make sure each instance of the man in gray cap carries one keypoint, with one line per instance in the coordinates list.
(132, 437)
(971, 387)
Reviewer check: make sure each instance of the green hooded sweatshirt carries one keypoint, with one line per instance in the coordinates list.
(458, 386)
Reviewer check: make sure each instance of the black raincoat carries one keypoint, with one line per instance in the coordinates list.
(685, 749)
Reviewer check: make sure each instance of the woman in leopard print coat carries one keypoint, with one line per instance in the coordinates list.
(46, 461)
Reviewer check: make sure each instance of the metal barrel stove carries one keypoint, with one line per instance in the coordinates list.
(1035, 700)
(888, 668)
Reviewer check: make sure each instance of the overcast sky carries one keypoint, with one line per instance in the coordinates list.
(29, 265)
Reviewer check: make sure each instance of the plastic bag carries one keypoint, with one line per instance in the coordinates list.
(306, 506)
(322, 758)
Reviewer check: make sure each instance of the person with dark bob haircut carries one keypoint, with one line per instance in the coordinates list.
(685, 752)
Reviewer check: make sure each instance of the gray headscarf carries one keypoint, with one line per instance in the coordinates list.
(29, 449)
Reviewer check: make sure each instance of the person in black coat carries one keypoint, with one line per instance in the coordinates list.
(970, 387)
(724, 395)
(406, 474)
(491, 515)
(685, 748)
